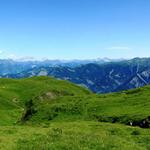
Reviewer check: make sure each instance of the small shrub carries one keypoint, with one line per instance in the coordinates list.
(136, 132)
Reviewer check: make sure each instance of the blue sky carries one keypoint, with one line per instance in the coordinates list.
(74, 29)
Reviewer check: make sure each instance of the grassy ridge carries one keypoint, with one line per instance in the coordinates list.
(45, 113)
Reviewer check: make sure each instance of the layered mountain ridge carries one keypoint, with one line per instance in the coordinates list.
(100, 78)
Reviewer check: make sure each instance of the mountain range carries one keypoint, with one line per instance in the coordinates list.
(9, 66)
(99, 77)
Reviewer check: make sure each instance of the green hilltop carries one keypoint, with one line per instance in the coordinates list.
(46, 113)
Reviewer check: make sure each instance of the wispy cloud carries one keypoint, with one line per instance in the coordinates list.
(20, 58)
(119, 48)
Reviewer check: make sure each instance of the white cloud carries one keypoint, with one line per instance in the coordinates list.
(6, 55)
(12, 56)
(119, 48)
(26, 58)
(20, 58)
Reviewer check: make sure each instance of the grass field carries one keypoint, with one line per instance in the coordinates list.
(85, 135)
(43, 113)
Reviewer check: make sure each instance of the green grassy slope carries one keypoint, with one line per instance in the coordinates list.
(123, 107)
(45, 113)
(14, 94)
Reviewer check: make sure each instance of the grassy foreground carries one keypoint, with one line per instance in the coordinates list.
(43, 113)
(79, 135)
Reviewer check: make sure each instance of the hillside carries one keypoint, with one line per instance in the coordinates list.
(43, 113)
(14, 94)
(52, 99)
(125, 107)
(99, 78)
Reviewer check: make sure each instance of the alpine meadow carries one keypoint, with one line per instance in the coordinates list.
(74, 75)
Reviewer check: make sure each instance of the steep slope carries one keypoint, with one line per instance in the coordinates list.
(140, 79)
